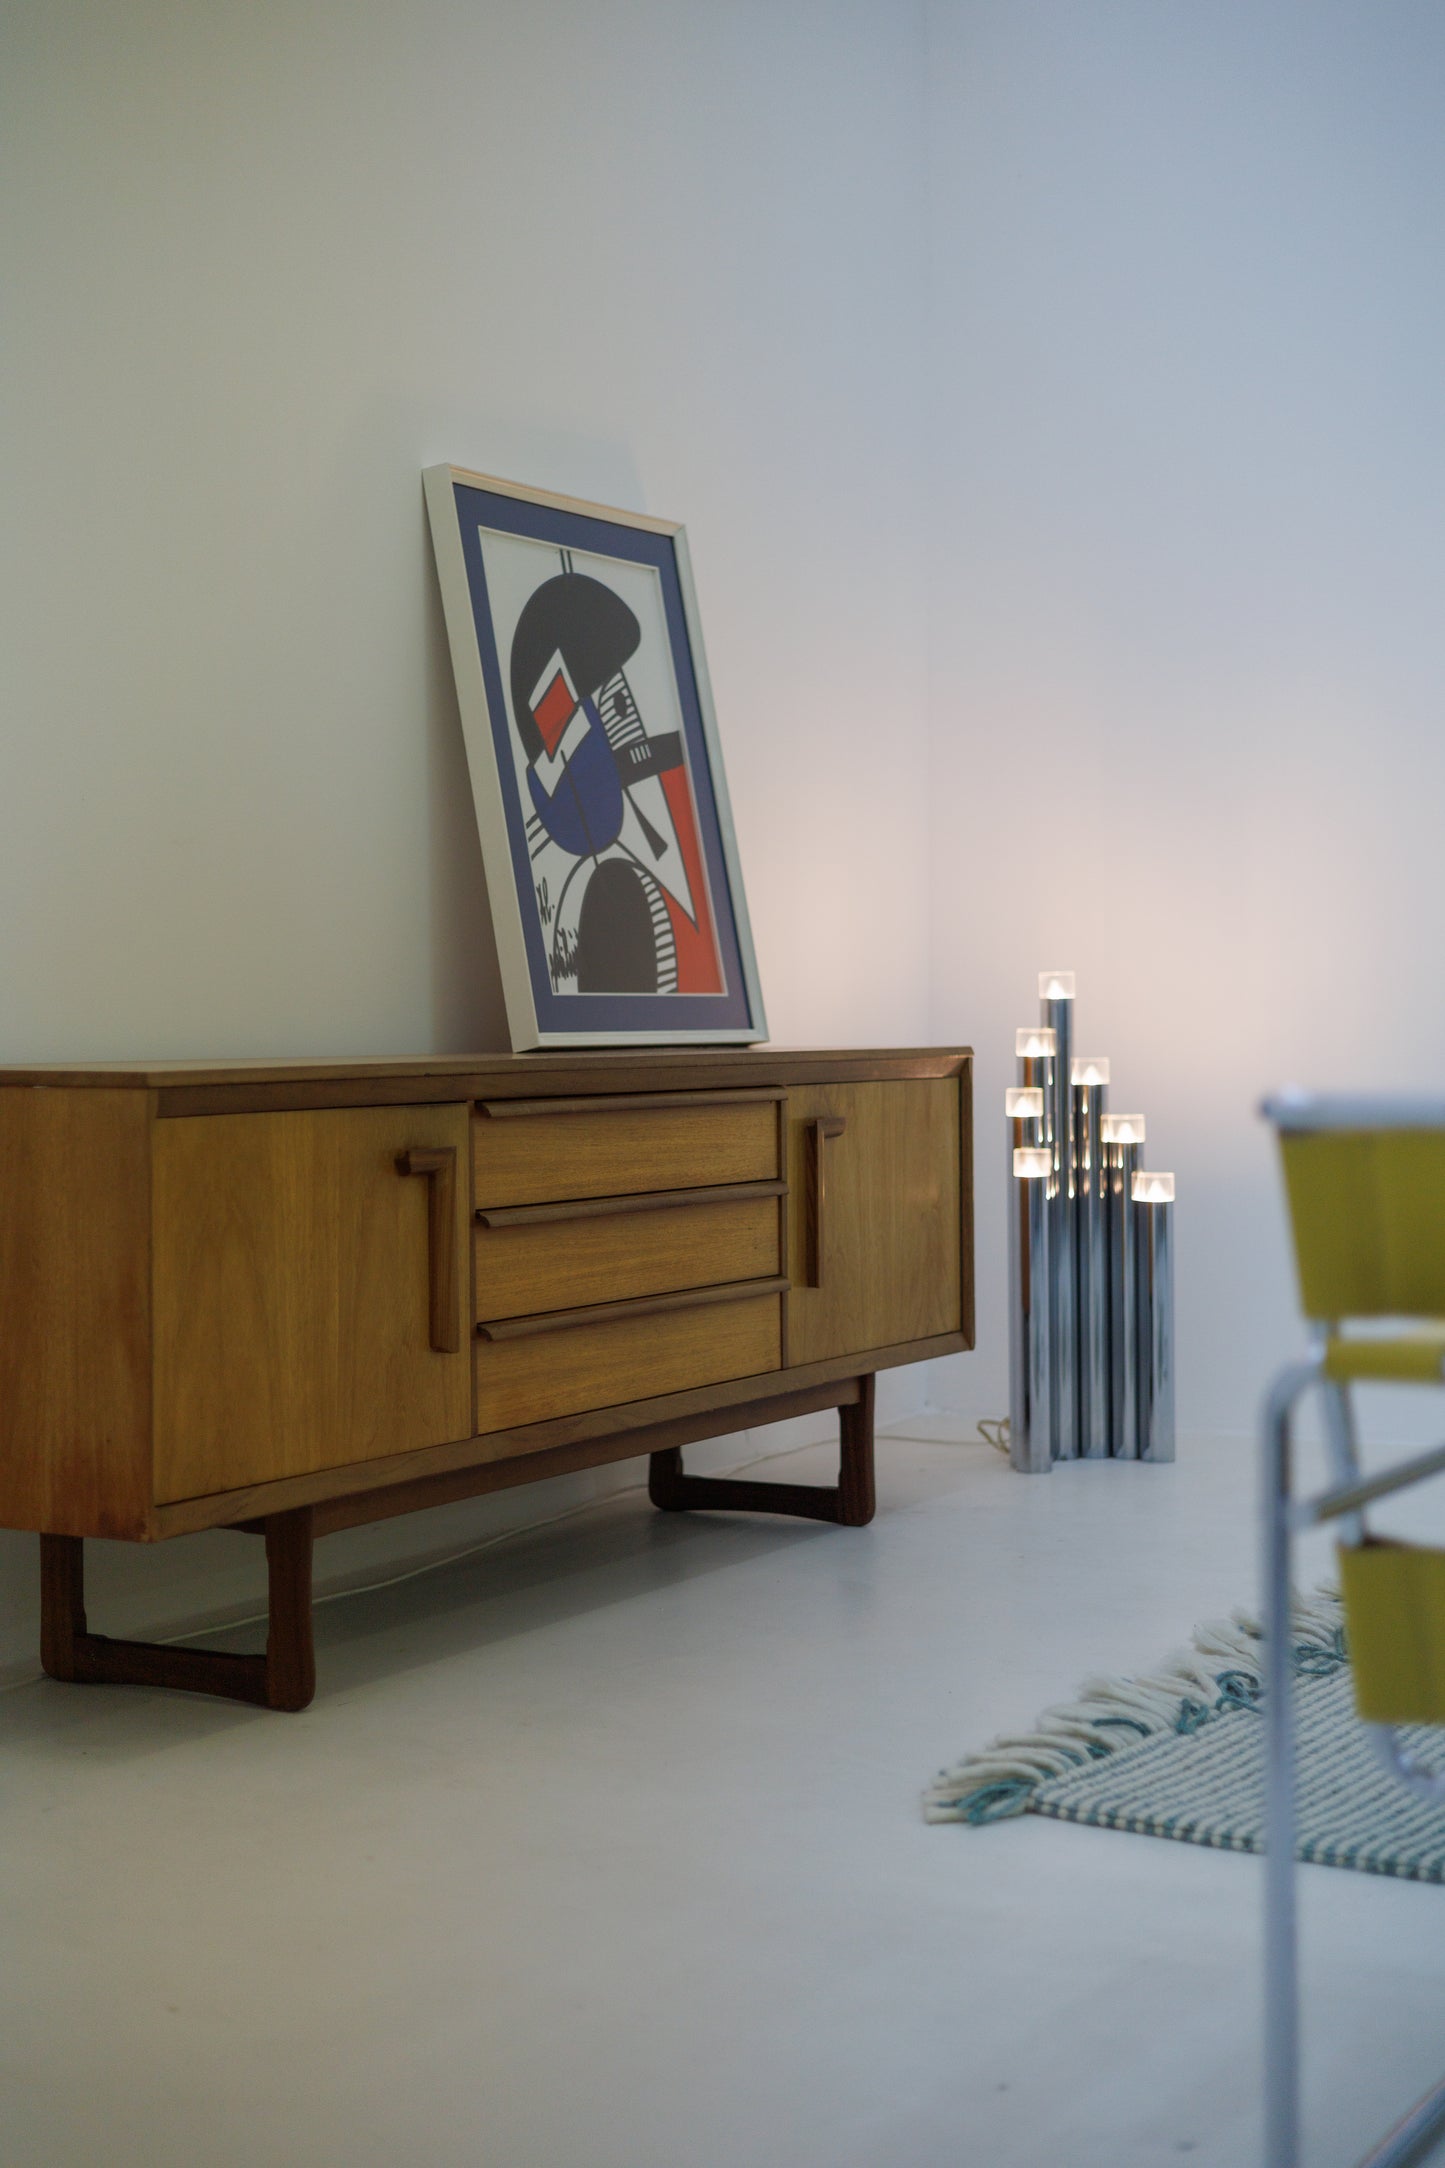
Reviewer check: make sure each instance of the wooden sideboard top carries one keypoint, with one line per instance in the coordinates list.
(200, 1087)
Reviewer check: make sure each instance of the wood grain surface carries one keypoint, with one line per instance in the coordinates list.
(481, 1075)
(579, 1440)
(603, 1364)
(558, 1264)
(605, 1313)
(890, 1263)
(75, 1383)
(610, 1154)
(293, 1294)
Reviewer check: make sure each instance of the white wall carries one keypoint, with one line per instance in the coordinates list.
(262, 263)
(1187, 547)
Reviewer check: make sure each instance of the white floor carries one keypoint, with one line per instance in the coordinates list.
(603, 1850)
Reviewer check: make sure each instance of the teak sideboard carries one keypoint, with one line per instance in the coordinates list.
(290, 1298)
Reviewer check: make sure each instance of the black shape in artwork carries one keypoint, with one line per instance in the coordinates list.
(616, 944)
(592, 628)
(649, 756)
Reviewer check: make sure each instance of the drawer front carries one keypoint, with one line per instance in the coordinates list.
(600, 1364)
(560, 1264)
(542, 1155)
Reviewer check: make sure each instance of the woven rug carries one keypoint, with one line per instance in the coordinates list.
(1180, 1753)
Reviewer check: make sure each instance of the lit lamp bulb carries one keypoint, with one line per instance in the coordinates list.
(1034, 1043)
(1024, 1103)
(1086, 1069)
(1056, 986)
(1153, 1189)
(1033, 1162)
(1122, 1129)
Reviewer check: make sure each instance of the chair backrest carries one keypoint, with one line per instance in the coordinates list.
(1365, 1179)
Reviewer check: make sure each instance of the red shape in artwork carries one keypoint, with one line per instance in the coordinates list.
(554, 711)
(698, 969)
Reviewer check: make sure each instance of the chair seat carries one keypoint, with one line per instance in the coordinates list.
(1407, 1358)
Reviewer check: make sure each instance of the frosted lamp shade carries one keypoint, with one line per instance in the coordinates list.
(1056, 986)
(1122, 1129)
(1033, 1162)
(1024, 1103)
(1034, 1042)
(1150, 1188)
(1087, 1069)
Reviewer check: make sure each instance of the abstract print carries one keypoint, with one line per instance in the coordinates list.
(612, 834)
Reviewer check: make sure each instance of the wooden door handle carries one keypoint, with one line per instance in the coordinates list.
(439, 1165)
(820, 1129)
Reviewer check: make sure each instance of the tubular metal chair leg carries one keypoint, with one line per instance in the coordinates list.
(1343, 1448)
(1281, 1960)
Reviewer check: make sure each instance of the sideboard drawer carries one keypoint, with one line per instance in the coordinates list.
(535, 1151)
(604, 1361)
(558, 1257)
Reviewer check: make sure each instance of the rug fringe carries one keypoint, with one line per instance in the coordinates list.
(1223, 1670)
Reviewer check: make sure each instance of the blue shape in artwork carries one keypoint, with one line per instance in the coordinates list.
(584, 813)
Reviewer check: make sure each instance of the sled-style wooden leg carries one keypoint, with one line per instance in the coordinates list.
(284, 1678)
(851, 1502)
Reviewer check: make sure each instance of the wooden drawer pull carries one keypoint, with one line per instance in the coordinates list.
(820, 1129)
(439, 1168)
(636, 1103)
(604, 1313)
(653, 1200)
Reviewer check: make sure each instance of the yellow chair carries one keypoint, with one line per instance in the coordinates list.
(1365, 1180)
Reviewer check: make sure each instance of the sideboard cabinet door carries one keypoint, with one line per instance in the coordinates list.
(311, 1291)
(875, 1220)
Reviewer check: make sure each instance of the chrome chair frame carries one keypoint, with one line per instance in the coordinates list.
(1343, 1500)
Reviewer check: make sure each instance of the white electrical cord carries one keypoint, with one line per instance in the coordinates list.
(413, 1573)
(992, 1430)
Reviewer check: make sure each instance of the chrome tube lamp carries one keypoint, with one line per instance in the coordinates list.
(1153, 1197)
(1030, 1396)
(1091, 1260)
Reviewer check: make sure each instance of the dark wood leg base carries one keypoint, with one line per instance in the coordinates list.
(851, 1503)
(284, 1678)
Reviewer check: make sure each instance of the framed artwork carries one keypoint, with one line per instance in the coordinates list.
(608, 844)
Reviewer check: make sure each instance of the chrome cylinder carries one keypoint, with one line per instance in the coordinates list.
(1037, 1050)
(1090, 1091)
(1123, 1141)
(1023, 1129)
(1030, 1285)
(1056, 998)
(1153, 1196)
